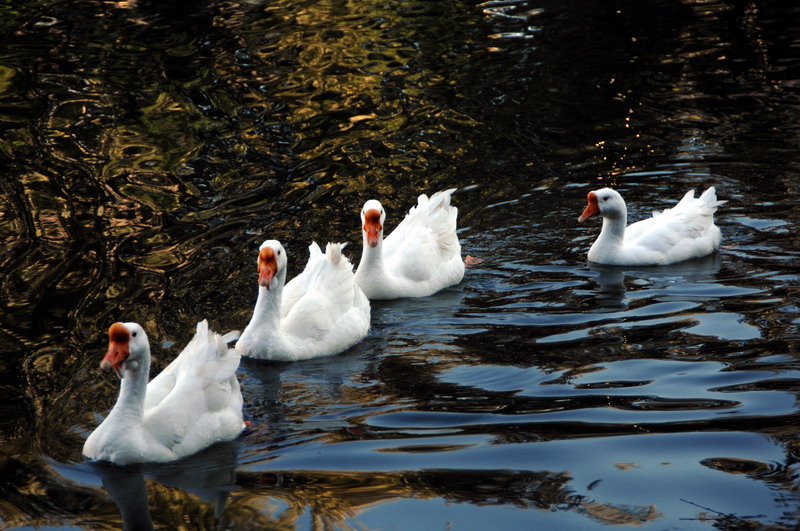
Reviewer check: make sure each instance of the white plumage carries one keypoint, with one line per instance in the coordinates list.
(190, 405)
(676, 234)
(320, 312)
(421, 256)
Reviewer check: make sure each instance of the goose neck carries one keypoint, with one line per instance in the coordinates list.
(614, 227)
(268, 305)
(373, 256)
(133, 388)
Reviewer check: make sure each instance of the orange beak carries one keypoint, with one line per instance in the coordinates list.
(372, 226)
(118, 352)
(267, 266)
(592, 209)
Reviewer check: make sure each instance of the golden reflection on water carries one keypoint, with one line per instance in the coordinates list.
(334, 497)
(185, 498)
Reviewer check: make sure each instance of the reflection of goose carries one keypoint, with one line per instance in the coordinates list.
(192, 404)
(127, 488)
(611, 289)
(210, 475)
(421, 256)
(320, 312)
(314, 386)
(683, 232)
(611, 279)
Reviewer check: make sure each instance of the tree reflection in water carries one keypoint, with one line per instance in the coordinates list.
(188, 494)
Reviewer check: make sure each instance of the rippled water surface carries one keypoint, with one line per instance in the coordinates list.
(149, 147)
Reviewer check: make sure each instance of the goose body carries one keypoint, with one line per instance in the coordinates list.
(676, 234)
(421, 256)
(320, 312)
(192, 404)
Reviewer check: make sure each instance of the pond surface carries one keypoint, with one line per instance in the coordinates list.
(149, 147)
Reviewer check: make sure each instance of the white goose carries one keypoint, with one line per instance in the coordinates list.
(421, 256)
(320, 312)
(192, 404)
(680, 233)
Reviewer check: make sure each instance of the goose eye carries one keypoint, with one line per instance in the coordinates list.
(279, 252)
(605, 198)
(133, 334)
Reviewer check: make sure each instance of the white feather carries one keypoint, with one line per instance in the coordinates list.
(321, 312)
(421, 256)
(680, 233)
(193, 403)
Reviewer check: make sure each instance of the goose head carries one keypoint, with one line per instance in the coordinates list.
(372, 218)
(606, 202)
(127, 347)
(271, 263)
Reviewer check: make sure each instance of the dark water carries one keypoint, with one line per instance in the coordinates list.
(149, 147)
